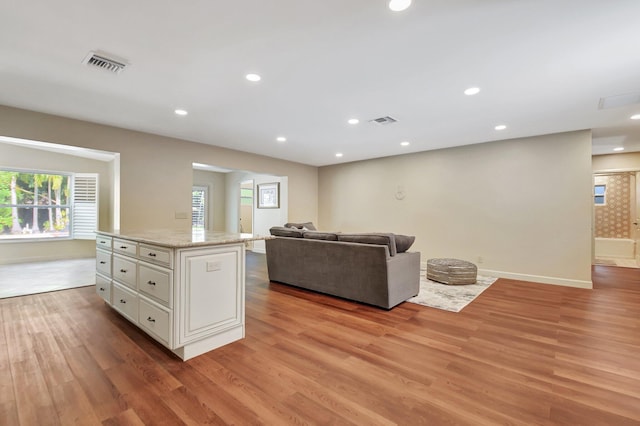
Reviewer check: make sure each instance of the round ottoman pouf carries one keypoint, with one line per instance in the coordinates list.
(452, 271)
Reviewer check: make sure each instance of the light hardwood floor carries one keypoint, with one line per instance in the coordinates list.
(520, 354)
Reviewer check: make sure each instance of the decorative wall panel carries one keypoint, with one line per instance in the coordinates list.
(613, 220)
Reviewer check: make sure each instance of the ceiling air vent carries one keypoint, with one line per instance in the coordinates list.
(383, 120)
(102, 61)
(619, 100)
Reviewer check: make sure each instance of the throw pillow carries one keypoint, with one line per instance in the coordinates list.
(281, 231)
(308, 225)
(404, 242)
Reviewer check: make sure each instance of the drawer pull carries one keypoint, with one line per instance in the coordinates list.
(151, 319)
(123, 301)
(103, 242)
(152, 255)
(123, 247)
(102, 262)
(124, 271)
(101, 288)
(151, 282)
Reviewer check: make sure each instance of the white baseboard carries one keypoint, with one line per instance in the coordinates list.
(537, 278)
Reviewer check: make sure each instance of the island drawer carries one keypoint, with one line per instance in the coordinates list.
(155, 282)
(124, 246)
(155, 254)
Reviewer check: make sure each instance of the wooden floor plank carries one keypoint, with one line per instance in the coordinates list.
(521, 353)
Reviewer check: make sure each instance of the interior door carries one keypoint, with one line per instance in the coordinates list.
(635, 212)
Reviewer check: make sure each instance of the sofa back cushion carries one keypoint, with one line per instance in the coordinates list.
(317, 235)
(371, 238)
(281, 231)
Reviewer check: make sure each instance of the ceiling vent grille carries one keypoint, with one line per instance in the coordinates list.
(619, 100)
(103, 62)
(383, 120)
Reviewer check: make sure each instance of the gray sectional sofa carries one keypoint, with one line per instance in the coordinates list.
(371, 268)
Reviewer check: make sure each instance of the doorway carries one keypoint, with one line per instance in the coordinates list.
(246, 207)
(616, 232)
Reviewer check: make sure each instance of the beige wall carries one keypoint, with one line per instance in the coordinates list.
(616, 162)
(156, 172)
(29, 158)
(523, 206)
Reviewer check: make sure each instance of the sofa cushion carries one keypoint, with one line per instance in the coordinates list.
(317, 235)
(305, 226)
(371, 238)
(281, 231)
(404, 242)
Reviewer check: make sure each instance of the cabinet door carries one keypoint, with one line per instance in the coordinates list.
(155, 282)
(103, 288)
(103, 262)
(125, 270)
(155, 320)
(125, 301)
(211, 292)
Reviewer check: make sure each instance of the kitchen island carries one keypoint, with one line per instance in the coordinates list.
(184, 289)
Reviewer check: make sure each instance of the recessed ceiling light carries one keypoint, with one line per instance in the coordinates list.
(353, 121)
(253, 77)
(399, 5)
(339, 154)
(500, 127)
(635, 117)
(281, 139)
(619, 148)
(472, 91)
(180, 112)
(405, 143)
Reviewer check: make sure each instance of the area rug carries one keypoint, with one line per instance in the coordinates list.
(449, 297)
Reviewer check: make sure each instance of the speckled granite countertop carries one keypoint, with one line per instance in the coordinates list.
(183, 239)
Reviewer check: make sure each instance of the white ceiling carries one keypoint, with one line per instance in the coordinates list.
(542, 66)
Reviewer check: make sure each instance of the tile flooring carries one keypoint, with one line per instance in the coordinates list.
(31, 278)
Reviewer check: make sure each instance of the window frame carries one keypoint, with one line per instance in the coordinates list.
(205, 213)
(603, 195)
(68, 206)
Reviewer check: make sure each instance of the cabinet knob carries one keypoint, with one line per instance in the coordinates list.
(123, 301)
(124, 271)
(151, 319)
(151, 282)
(152, 255)
(123, 247)
(101, 288)
(102, 262)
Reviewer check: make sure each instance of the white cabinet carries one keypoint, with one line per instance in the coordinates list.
(190, 299)
(209, 302)
(125, 301)
(103, 267)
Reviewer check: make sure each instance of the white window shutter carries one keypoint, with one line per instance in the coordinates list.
(85, 206)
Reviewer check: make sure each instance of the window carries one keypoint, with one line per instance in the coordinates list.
(246, 196)
(199, 208)
(599, 195)
(38, 204)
